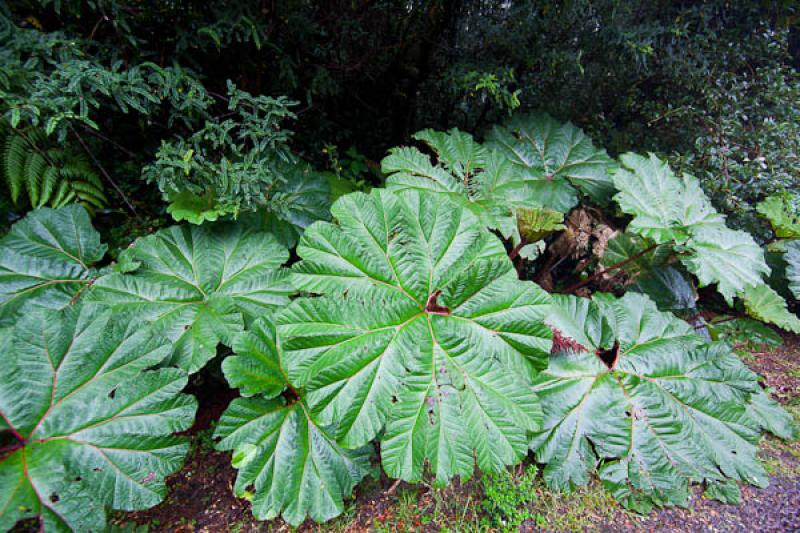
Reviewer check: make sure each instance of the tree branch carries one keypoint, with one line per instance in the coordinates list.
(105, 173)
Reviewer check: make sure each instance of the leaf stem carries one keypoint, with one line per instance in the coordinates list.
(615, 266)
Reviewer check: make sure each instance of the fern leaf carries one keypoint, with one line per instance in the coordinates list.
(63, 194)
(35, 167)
(15, 151)
(50, 179)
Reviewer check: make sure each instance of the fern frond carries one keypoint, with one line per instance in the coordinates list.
(35, 167)
(48, 175)
(50, 180)
(15, 152)
(64, 195)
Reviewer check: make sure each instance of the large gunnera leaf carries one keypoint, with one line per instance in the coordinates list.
(674, 210)
(763, 303)
(633, 393)
(782, 210)
(424, 333)
(301, 197)
(481, 181)
(558, 161)
(85, 426)
(198, 285)
(792, 258)
(293, 466)
(46, 259)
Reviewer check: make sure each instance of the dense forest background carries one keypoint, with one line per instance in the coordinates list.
(712, 85)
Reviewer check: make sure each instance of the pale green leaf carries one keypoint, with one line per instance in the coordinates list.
(295, 467)
(486, 183)
(46, 259)
(199, 286)
(96, 423)
(731, 259)
(781, 210)
(423, 330)
(553, 158)
(665, 207)
(763, 303)
(657, 411)
(196, 209)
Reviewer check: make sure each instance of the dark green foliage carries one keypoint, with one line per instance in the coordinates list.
(37, 172)
(226, 166)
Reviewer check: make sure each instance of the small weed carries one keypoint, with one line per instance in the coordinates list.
(506, 496)
(204, 440)
(780, 458)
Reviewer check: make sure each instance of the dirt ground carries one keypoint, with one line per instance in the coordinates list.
(201, 496)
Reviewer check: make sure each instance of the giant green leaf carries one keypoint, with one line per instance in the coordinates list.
(763, 303)
(635, 395)
(792, 258)
(665, 207)
(294, 466)
(674, 210)
(782, 210)
(555, 159)
(90, 427)
(46, 259)
(731, 259)
(198, 285)
(424, 332)
(483, 182)
(301, 197)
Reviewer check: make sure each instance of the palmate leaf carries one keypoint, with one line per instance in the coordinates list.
(484, 182)
(674, 210)
(665, 207)
(294, 466)
(763, 303)
(650, 401)
(198, 285)
(303, 197)
(745, 331)
(555, 159)
(782, 210)
(423, 333)
(91, 426)
(46, 259)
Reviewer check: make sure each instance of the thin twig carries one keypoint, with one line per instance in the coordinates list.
(105, 173)
(99, 135)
